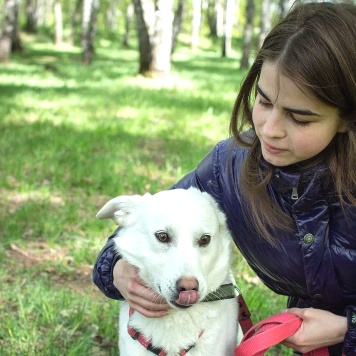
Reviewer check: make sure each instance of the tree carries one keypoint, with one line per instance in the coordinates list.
(9, 30)
(76, 16)
(111, 15)
(154, 28)
(248, 32)
(31, 16)
(129, 15)
(265, 21)
(58, 20)
(196, 22)
(284, 6)
(90, 12)
(215, 15)
(16, 45)
(228, 26)
(177, 22)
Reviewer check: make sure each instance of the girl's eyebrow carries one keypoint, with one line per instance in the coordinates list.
(262, 93)
(291, 110)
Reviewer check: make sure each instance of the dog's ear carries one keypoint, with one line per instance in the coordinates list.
(119, 208)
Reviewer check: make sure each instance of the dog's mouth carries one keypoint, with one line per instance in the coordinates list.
(186, 299)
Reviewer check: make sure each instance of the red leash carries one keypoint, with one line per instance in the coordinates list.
(267, 333)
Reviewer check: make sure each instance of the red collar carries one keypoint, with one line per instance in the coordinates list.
(137, 335)
(226, 291)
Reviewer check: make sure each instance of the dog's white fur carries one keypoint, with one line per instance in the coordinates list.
(186, 216)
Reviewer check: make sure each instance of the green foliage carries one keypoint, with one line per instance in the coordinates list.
(73, 137)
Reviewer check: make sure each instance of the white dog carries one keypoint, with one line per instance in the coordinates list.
(179, 241)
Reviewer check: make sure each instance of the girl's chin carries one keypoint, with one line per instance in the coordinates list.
(276, 160)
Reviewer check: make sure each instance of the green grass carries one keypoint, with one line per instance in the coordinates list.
(71, 138)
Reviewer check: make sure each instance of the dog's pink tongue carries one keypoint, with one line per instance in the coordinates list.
(187, 297)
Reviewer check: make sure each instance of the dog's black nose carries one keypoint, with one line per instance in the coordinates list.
(187, 283)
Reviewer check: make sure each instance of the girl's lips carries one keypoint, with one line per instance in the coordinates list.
(272, 149)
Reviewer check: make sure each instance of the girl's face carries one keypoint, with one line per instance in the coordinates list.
(291, 125)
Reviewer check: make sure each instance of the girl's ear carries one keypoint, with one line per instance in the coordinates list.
(342, 127)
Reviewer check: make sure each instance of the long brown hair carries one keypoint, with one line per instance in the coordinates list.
(315, 46)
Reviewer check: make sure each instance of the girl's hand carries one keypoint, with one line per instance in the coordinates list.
(319, 328)
(132, 288)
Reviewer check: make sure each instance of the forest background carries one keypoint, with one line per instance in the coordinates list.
(100, 99)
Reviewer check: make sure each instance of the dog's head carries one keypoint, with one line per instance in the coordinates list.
(178, 239)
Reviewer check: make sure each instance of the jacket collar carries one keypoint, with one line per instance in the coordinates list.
(299, 188)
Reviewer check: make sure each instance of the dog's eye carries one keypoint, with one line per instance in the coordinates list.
(162, 236)
(204, 240)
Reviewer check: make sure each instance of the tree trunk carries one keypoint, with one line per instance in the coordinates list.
(145, 47)
(265, 21)
(75, 21)
(284, 6)
(90, 11)
(8, 31)
(31, 16)
(215, 18)
(44, 10)
(58, 20)
(177, 23)
(228, 26)
(130, 12)
(196, 21)
(162, 39)
(112, 15)
(16, 45)
(248, 32)
(154, 28)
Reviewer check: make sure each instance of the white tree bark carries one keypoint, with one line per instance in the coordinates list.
(230, 6)
(196, 21)
(162, 38)
(58, 20)
(8, 30)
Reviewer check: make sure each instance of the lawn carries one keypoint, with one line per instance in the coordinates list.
(73, 137)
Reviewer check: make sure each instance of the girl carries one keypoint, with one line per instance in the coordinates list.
(288, 183)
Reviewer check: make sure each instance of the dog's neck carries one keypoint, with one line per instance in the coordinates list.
(225, 291)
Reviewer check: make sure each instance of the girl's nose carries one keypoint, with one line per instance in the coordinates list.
(274, 125)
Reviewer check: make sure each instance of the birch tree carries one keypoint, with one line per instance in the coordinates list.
(215, 17)
(154, 28)
(177, 22)
(90, 12)
(58, 23)
(247, 36)
(196, 22)
(284, 6)
(75, 20)
(8, 31)
(112, 15)
(129, 17)
(31, 16)
(229, 12)
(265, 21)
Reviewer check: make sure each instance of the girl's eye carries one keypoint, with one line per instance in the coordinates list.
(301, 123)
(298, 122)
(204, 240)
(265, 104)
(163, 237)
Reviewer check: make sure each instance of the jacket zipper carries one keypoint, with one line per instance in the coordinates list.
(294, 195)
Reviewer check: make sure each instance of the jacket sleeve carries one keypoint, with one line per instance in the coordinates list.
(349, 347)
(103, 269)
